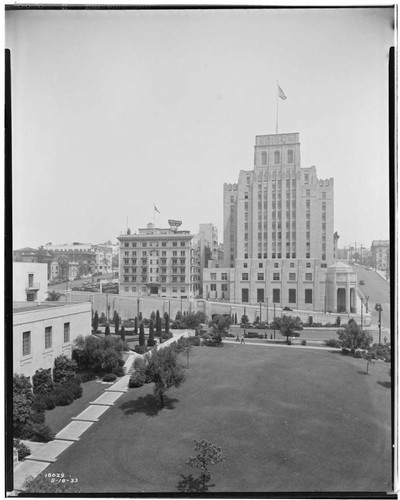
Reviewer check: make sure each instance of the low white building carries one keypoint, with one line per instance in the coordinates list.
(41, 332)
(29, 281)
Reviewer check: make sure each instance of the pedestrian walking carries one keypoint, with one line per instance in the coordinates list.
(242, 340)
(237, 338)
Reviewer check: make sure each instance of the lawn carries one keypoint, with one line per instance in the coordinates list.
(59, 417)
(287, 420)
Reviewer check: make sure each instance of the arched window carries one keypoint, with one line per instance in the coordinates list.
(290, 156)
(263, 157)
(277, 157)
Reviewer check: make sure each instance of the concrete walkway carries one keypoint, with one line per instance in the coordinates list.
(43, 454)
(293, 346)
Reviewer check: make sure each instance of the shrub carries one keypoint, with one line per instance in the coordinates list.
(193, 341)
(333, 343)
(119, 371)
(22, 449)
(42, 485)
(64, 396)
(41, 433)
(345, 351)
(64, 369)
(87, 376)
(166, 335)
(358, 354)
(42, 382)
(39, 403)
(289, 342)
(137, 379)
(109, 377)
(51, 401)
(140, 349)
(304, 342)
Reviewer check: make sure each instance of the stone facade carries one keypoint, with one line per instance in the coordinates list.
(278, 230)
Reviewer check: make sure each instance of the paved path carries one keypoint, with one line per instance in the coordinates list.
(293, 346)
(43, 454)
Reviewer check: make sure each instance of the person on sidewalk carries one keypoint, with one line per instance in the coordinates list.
(237, 338)
(242, 339)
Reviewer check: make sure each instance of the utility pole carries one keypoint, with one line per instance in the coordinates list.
(378, 308)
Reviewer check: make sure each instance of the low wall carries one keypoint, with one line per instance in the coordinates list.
(128, 307)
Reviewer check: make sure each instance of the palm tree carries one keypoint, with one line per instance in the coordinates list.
(53, 296)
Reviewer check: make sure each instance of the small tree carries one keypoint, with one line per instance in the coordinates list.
(117, 321)
(95, 321)
(140, 316)
(22, 406)
(135, 330)
(163, 369)
(150, 341)
(208, 454)
(142, 339)
(153, 316)
(158, 323)
(64, 369)
(288, 325)
(353, 337)
(235, 319)
(42, 382)
(178, 316)
(122, 331)
(244, 320)
(107, 330)
(166, 316)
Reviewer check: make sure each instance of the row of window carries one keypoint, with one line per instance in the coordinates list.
(276, 295)
(48, 339)
(277, 276)
(144, 244)
(163, 289)
(277, 157)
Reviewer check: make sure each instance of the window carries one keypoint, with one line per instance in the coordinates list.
(308, 264)
(260, 276)
(263, 157)
(144, 244)
(163, 289)
(67, 331)
(306, 178)
(292, 264)
(324, 195)
(292, 295)
(163, 243)
(182, 243)
(308, 192)
(260, 264)
(275, 276)
(182, 253)
(277, 157)
(126, 288)
(224, 276)
(26, 343)
(174, 243)
(213, 287)
(224, 287)
(245, 276)
(260, 294)
(292, 276)
(276, 295)
(126, 245)
(308, 276)
(213, 276)
(245, 294)
(276, 264)
(48, 337)
(308, 296)
(30, 296)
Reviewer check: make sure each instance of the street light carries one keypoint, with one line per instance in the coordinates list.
(379, 308)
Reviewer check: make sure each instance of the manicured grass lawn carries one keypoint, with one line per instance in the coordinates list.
(287, 420)
(59, 417)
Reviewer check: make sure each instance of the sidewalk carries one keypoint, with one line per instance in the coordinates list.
(43, 454)
(293, 346)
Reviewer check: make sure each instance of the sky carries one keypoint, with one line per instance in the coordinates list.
(117, 110)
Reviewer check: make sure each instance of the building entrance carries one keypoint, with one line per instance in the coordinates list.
(341, 300)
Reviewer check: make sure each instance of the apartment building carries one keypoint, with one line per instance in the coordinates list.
(279, 232)
(380, 254)
(161, 262)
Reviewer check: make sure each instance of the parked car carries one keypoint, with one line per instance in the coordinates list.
(362, 282)
(261, 326)
(287, 308)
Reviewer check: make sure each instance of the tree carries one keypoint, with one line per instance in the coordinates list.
(208, 454)
(244, 320)
(107, 330)
(150, 341)
(63, 265)
(117, 321)
(122, 331)
(235, 318)
(42, 382)
(135, 330)
(153, 316)
(353, 337)
(158, 323)
(184, 345)
(163, 369)
(53, 295)
(178, 316)
(288, 326)
(22, 406)
(95, 321)
(166, 316)
(142, 339)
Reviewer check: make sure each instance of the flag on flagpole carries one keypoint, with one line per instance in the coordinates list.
(281, 93)
(156, 209)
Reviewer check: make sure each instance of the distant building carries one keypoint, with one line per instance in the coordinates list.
(380, 254)
(26, 254)
(279, 239)
(208, 245)
(159, 262)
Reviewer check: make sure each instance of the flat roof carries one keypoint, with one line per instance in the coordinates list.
(25, 306)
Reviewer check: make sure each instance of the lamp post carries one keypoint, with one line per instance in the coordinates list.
(267, 310)
(366, 306)
(362, 314)
(260, 312)
(378, 308)
(274, 319)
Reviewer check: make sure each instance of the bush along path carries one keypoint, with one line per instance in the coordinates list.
(46, 453)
